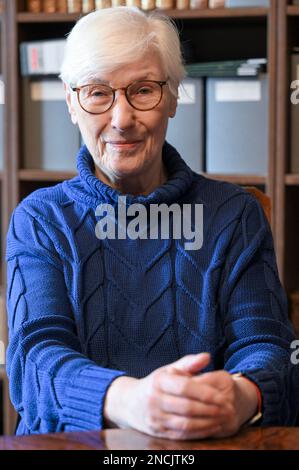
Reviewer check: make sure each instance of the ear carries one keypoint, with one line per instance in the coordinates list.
(68, 97)
(172, 106)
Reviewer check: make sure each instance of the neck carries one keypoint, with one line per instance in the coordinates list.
(136, 185)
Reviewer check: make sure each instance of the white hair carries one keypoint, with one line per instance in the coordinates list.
(107, 39)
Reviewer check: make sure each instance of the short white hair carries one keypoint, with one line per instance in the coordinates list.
(107, 39)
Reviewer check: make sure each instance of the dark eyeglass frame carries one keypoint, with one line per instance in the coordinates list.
(125, 89)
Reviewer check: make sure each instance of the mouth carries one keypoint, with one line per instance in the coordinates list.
(124, 144)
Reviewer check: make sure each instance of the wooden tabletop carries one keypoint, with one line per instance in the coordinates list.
(274, 438)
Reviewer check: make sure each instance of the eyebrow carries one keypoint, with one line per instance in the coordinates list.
(98, 80)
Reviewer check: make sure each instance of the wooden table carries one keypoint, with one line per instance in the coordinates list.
(115, 439)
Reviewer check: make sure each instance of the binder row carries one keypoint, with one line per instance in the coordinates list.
(213, 129)
(86, 6)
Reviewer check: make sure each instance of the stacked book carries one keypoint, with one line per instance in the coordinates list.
(228, 68)
(86, 6)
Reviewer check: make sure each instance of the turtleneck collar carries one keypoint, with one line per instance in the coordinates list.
(88, 188)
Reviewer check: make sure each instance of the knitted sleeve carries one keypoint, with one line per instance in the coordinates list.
(256, 325)
(53, 386)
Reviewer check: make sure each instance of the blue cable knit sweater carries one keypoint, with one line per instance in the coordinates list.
(84, 311)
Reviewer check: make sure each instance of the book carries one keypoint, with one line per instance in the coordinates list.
(88, 6)
(164, 4)
(99, 4)
(74, 6)
(42, 57)
(246, 3)
(182, 4)
(133, 3)
(34, 6)
(148, 4)
(61, 6)
(250, 67)
(199, 4)
(49, 6)
(216, 3)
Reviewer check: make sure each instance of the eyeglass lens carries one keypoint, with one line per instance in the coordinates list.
(141, 95)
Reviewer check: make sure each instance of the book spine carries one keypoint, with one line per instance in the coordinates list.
(49, 6)
(182, 4)
(61, 6)
(99, 4)
(23, 60)
(164, 4)
(118, 3)
(88, 6)
(74, 6)
(34, 57)
(148, 4)
(198, 4)
(34, 6)
(216, 3)
(133, 3)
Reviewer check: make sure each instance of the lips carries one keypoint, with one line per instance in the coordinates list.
(124, 144)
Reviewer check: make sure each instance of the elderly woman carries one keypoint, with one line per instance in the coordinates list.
(141, 332)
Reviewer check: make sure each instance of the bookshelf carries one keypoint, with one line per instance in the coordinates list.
(287, 195)
(220, 34)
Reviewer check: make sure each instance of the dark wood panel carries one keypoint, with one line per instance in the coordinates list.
(291, 229)
(281, 136)
(238, 179)
(43, 175)
(292, 178)
(293, 10)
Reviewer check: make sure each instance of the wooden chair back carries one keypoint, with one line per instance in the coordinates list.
(262, 198)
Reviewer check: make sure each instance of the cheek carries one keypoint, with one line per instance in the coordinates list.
(159, 129)
(91, 130)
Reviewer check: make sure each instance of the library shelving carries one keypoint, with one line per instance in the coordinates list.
(216, 34)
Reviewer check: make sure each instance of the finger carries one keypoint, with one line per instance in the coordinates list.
(186, 428)
(187, 387)
(219, 379)
(188, 407)
(191, 363)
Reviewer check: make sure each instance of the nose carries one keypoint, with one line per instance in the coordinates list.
(123, 114)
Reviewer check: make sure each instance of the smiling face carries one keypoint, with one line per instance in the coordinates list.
(126, 144)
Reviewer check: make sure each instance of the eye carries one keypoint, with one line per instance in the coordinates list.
(145, 90)
(98, 92)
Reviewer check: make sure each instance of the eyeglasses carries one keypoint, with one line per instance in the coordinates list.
(142, 95)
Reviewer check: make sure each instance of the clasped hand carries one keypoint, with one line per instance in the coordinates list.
(176, 402)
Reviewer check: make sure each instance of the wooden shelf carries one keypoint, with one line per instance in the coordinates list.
(2, 372)
(239, 179)
(48, 17)
(292, 179)
(227, 13)
(293, 10)
(45, 175)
